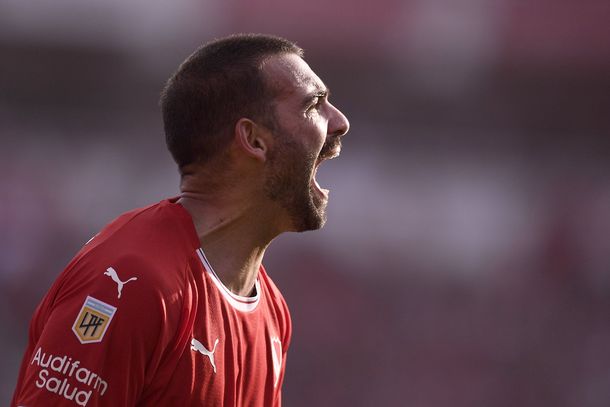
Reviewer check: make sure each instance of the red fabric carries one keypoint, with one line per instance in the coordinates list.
(146, 355)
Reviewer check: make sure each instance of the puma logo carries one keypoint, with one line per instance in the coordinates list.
(198, 346)
(110, 272)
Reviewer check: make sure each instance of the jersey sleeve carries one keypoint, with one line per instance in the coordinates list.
(99, 334)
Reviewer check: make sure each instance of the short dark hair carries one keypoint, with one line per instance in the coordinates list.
(214, 87)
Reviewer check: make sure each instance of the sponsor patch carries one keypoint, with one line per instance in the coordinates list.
(93, 320)
(66, 377)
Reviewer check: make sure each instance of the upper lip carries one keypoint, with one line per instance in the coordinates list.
(325, 157)
(329, 152)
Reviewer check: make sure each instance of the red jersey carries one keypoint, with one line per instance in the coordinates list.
(139, 318)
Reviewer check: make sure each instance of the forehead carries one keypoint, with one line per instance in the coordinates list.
(290, 76)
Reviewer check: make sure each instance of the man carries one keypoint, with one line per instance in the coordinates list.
(170, 304)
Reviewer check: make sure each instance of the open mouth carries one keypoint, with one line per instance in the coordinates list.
(325, 154)
(323, 192)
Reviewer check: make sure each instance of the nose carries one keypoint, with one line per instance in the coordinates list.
(338, 124)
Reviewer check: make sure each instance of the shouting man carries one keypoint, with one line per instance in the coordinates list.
(170, 304)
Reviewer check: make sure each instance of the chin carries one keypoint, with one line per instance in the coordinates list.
(313, 217)
(300, 200)
(312, 224)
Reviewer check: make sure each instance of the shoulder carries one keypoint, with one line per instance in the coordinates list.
(157, 229)
(118, 305)
(146, 250)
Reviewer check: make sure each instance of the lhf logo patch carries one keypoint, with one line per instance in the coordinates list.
(93, 320)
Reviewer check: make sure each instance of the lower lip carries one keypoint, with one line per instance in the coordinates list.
(323, 193)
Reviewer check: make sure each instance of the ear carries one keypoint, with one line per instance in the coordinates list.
(252, 139)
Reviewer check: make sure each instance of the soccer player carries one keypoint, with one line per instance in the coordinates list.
(169, 305)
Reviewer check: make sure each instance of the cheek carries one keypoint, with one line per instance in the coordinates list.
(316, 133)
(311, 132)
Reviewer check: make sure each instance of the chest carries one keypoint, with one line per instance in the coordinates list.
(230, 356)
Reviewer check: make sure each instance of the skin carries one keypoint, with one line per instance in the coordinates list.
(264, 184)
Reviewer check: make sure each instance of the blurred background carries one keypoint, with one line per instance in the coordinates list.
(466, 260)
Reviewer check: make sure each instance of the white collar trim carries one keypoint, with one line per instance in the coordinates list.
(240, 303)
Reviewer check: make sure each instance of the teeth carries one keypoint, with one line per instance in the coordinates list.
(334, 154)
(336, 151)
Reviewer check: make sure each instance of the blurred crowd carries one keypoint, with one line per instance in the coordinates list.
(466, 260)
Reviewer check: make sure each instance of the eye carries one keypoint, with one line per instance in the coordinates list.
(316, 102)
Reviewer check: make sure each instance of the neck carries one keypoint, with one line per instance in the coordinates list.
(234, 234)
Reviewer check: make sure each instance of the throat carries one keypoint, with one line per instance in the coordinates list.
(236, 262)
(241, 298)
